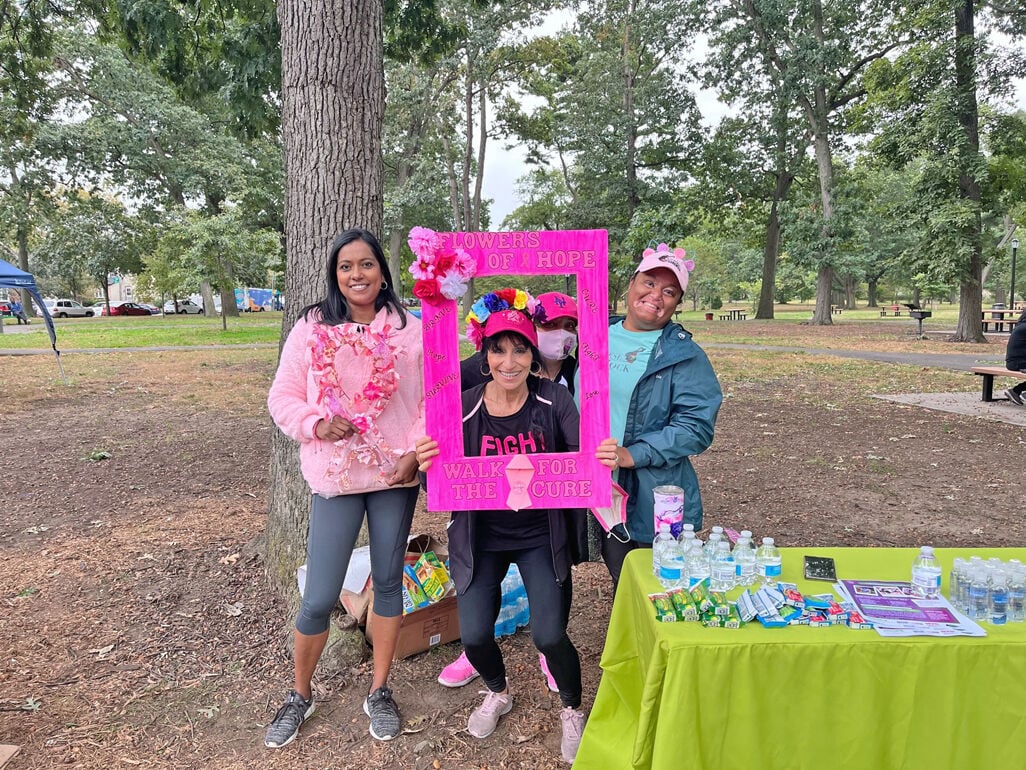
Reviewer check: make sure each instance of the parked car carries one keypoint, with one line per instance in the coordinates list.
(68, 308)
(125, 308)
(154, 310)
(184, 306)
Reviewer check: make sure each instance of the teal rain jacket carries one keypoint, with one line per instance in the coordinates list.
(672, 416)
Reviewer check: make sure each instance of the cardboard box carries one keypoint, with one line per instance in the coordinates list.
(421, 629)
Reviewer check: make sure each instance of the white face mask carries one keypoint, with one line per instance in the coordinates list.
(556, 345)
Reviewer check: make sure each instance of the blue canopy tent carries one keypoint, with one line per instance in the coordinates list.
(13, 278)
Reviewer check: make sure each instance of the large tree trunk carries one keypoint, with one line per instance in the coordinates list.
(970, 320)
(871, 292)
(771, 251)
(333, 99)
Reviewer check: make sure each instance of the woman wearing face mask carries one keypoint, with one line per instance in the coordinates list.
(557, 341)
(557, 338)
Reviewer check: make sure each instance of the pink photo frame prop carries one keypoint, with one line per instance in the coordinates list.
(517, 481)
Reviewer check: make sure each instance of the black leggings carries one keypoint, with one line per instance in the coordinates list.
(550, 612)
(613, 554)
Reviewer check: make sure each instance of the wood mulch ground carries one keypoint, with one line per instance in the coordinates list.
(138, 629)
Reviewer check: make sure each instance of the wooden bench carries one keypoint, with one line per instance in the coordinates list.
(835, 310)
(989, 373)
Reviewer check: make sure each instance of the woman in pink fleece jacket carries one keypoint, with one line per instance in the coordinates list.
(349, 389)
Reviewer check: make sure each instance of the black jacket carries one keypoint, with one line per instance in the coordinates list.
(1015, 353)
(553, 408)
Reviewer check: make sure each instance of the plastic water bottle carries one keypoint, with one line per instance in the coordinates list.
(1016, 594)
(685, 543)
(978, 593)
(926, 574)
(655, 549)
(698, 564)
(768, 562)
(998, 598)
(721, 568)
(666, 557)
(744, 562)
(956, 583)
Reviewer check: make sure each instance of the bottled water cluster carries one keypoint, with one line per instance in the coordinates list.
(989, 589)
(514, 612)
(686, 560)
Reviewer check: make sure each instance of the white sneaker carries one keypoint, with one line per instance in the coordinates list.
(1014, 397)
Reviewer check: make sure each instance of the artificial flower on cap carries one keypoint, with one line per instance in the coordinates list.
(673, 260)
(499, 301)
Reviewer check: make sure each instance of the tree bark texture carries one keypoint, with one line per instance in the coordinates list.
(770, 253)
(970, 320)
(333, 101)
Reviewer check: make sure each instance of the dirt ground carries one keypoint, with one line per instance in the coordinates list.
(138, 629)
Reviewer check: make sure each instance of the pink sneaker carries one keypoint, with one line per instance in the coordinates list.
(553, 687)
(573, 728)
(458, 673)
(485, 717)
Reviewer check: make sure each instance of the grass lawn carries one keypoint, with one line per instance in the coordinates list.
(155, 331)
(862, 329)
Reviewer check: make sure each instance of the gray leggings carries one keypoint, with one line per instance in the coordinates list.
(334, 526)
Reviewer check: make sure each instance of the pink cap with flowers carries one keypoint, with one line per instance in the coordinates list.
(557, 305)
(673, 260)
(504, 310)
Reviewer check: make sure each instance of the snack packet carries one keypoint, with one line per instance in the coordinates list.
(663, 607)
(414, 589)
(683, 604)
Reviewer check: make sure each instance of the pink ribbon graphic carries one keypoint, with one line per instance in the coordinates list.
(519, 473)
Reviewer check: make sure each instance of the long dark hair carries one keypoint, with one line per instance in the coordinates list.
(333, 308)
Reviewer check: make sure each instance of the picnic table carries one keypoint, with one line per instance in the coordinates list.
(1000, 319)
(734, 314)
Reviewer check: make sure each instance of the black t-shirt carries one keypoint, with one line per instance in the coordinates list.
(504, 530)
(542, 424)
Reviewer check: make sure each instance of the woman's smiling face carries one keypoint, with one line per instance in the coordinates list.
(651, 299)
(359, 279)
(509, 361)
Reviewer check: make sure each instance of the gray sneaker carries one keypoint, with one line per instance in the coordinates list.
(383, 713)
(290, 717)
(1015, 397)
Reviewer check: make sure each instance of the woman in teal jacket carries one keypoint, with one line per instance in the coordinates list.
(664, 398)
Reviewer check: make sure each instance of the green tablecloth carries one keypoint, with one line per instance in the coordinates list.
(679, 695)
